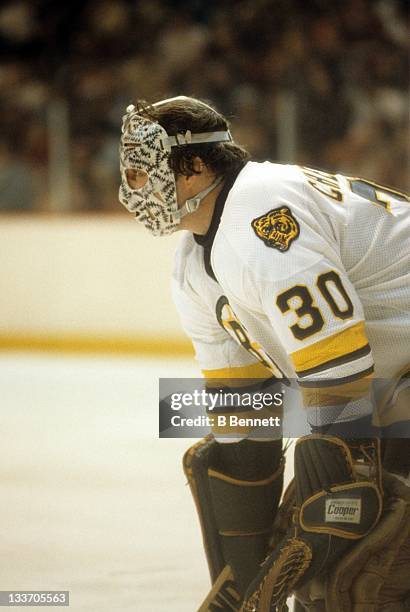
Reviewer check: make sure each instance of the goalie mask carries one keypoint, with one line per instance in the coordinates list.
(146, 147)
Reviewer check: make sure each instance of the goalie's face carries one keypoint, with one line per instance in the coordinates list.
(148, 187)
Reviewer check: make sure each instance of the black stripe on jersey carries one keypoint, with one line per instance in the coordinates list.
(207, 240)
(333, 382)
(361, 352)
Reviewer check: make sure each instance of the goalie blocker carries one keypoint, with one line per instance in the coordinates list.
(374, 575)
(338, 495)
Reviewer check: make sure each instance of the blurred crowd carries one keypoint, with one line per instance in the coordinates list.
(342, 65)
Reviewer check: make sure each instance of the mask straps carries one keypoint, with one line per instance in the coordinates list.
(192, 204)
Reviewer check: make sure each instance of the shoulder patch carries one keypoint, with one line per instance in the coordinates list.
(277, 228)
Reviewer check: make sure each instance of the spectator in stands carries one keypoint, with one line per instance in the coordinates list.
(345, 66)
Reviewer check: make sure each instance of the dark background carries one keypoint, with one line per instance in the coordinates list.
(342, 64)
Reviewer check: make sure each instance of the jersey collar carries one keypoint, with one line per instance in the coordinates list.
(207, 240)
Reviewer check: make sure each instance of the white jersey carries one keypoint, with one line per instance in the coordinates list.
(307, 275)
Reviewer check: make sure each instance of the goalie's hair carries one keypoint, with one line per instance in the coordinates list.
(177, 115)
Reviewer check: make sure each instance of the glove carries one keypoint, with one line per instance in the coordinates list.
(374, 575)
(338, 501)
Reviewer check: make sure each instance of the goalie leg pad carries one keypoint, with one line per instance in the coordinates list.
(236, 514)
(338, 500)
(244, 513)
(196, 462)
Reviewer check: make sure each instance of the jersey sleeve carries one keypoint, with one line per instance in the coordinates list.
(218, 351)
(227, 366)
(317, 314)
(319, 319)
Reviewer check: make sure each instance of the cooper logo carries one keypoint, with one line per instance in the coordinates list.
(343, 510)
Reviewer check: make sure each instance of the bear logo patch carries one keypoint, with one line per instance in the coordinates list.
(277, 228)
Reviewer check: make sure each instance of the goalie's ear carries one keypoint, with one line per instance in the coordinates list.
(198, 165)
(199, 170)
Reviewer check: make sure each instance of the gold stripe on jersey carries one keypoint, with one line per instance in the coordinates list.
(345, 346)
(337, 394)
(235, 374)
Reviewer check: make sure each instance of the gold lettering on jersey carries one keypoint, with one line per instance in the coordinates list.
(231, 324)
(277, 228)
(324, 182)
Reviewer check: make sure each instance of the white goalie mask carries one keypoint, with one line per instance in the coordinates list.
(146, 147)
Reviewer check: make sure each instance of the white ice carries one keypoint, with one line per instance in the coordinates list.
(91, 500)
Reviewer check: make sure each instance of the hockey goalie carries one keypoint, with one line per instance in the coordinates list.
(286, 273)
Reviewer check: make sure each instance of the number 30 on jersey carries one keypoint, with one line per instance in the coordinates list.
(310, 319)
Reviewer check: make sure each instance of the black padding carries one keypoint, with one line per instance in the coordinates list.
(244, 506)
(396, 455)
(247, 459)
(331, 498)
(244, 516)
(244, 509)
(196, 463)
(319, 464)
(237, 488)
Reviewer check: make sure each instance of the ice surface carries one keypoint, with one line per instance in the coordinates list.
(92, 501)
